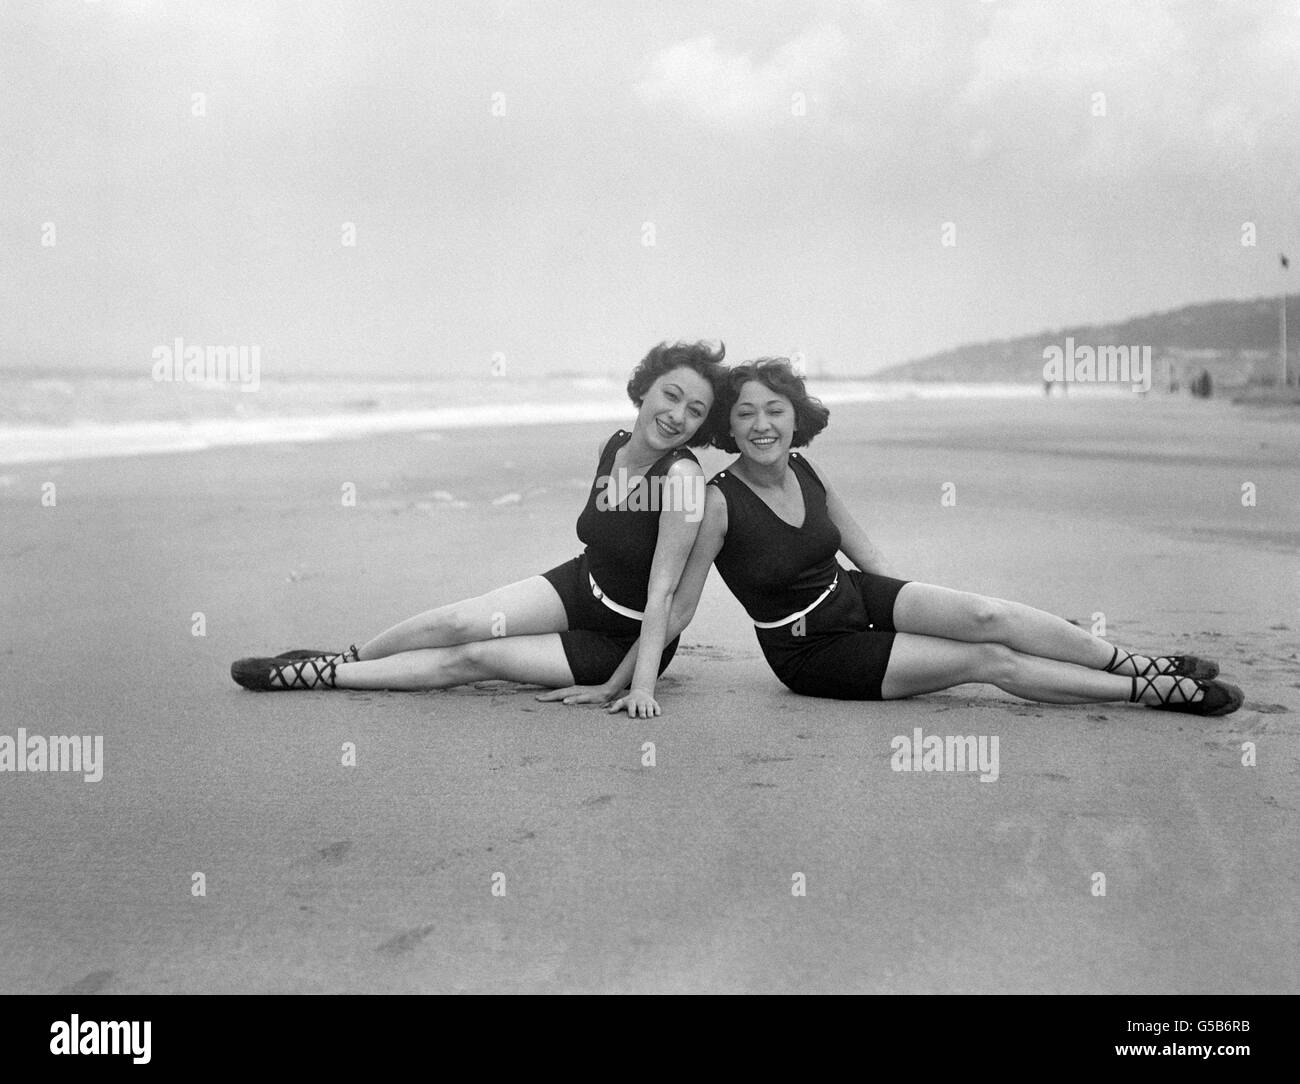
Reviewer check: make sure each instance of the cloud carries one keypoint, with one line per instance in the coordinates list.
(1189, 89)
(1184, 90)
(730, 88)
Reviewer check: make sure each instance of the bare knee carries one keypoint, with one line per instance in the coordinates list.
(480, 660)
(465, 662)
(449, 625)
(996, 664)
(990, 618)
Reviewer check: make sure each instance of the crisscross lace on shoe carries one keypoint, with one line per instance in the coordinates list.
(1153, 666)
(1192, 666)
(294, 675)
(1175, 697)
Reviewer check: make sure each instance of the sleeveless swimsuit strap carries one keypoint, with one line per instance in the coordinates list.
(626, 435)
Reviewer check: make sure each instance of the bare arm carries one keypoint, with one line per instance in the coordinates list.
(684, 600)
(679, 524)
(854, 542)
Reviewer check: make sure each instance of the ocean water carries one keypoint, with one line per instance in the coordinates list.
(46, 418)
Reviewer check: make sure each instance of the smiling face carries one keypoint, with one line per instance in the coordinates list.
(762, 423)
(674, 408)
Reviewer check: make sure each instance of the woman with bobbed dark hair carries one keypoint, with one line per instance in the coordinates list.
(699, 357)
(773, 525)
(810, 416)
(575, 623)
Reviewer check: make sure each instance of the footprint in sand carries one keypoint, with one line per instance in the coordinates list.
(91, 984)
(307, 869)
(596, 802)
(335, 852)
(404, 942)
(331, 854)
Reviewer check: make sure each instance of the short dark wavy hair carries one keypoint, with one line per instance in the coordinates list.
(810, 417)
(702, 358)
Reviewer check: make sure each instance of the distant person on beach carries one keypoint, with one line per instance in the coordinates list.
(575, 623)
(773, 525)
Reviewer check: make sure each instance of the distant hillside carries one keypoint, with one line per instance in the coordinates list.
(1235, 341)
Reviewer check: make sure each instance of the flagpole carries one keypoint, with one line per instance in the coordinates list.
(1281, 320)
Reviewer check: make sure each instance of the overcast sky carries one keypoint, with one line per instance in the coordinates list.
(500, 162)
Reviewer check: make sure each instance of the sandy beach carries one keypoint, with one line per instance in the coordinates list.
(619, 877)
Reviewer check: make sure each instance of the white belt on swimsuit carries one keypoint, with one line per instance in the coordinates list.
(634, 614)
(806, 610)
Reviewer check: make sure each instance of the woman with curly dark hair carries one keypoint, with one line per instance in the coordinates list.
(773, 525)
(575, 623)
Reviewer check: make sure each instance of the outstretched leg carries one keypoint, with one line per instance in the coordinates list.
(926, 664)
(527, 608)
(923, 664)
(927, 610)
(530, 660)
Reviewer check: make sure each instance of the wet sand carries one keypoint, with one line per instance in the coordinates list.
(621, 877)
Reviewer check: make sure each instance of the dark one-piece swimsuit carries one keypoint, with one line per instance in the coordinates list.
(840, 648)
(620, 550)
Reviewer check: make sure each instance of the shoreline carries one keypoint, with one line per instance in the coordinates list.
(90, 439)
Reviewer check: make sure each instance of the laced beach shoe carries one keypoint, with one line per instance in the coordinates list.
(278, 675)
(1191, 666)
(1219, 697)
